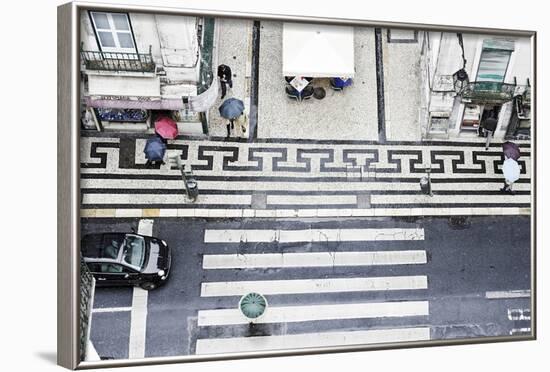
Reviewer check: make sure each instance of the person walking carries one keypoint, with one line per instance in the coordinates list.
(511, 171)
(224, 73)
(155, 148)
(489, 126)
(231, 109)
(241, 125)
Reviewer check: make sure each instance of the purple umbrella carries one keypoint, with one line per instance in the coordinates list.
(511, 150)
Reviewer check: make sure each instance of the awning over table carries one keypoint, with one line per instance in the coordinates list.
(317, 50)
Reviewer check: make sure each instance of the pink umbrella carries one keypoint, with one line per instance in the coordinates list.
(166, 127)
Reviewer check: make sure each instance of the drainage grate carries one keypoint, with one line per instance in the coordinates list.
(459, 222)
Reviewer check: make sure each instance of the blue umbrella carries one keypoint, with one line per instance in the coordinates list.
(154, 149)
(231, 108)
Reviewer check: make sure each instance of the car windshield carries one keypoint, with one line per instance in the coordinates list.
(134, 251)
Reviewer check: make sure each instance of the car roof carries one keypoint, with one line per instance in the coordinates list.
(102, 245)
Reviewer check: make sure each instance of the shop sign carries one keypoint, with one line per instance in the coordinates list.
(125, 98)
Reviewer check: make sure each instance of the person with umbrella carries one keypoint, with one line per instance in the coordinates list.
(231, 109)
(155, 148)
(510, 167)
(166, 128)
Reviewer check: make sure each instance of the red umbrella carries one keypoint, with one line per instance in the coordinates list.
(166, 127)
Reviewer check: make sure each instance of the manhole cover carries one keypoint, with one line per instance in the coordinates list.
(253, 305)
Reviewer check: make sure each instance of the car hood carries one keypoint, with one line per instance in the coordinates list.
(158, 257)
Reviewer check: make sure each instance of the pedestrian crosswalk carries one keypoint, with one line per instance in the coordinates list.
(320, 320)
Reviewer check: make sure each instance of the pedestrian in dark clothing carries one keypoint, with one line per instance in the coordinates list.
(230, 126)
(489, 126)
(155, 148)
(224, 73)
(151, 163)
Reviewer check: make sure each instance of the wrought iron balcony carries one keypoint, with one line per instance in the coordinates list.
(115, 61)
(527, 95)
(488, 92)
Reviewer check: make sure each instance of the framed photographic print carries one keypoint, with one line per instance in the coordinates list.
(251, 185)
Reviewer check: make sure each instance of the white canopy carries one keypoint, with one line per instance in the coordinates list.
(316, 50)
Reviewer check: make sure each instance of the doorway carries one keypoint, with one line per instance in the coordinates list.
(489, 119)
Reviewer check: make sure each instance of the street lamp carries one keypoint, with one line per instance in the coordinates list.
(460, 80)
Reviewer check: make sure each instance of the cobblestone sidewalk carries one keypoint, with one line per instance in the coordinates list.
(299, 178)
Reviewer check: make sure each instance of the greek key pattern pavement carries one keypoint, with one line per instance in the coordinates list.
(287, 174)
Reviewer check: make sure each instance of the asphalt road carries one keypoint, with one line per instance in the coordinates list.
(466, 258)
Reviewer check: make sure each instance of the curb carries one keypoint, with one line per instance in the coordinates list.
(300, 213)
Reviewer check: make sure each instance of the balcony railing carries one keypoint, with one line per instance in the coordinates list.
(118, 61)
(488, 92)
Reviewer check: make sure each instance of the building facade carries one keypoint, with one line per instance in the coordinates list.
(137, 66)
(469, 80)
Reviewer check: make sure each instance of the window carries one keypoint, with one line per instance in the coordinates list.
(439, 124)
(113, 32)
(111, 246)
(494, 60)
(94, 267)
(134, 251)
(112, 268)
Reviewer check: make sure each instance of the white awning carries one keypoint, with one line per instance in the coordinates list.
(123, 86)
(316, 50)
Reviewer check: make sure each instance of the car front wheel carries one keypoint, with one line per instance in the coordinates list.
(148, 286)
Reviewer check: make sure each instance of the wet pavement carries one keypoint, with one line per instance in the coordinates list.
(467, 264)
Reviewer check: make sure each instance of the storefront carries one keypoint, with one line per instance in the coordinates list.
(486, 106)
(520, 121)
(132, 104)
(476, 82)
(136, 67)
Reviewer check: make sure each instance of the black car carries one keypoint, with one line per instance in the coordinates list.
(117, 259)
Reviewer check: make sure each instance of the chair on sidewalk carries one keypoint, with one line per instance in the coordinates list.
(338, 84)
(307, 93)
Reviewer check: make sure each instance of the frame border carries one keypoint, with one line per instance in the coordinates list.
(68, 194)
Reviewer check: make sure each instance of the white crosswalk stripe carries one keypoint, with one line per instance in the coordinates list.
(319, 259)
(277, 287)
(310, 340)
(138, 314)
(311, 235)
(286, 314)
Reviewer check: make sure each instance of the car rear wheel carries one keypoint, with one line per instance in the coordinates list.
(148, 286)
